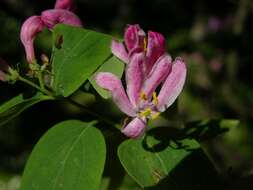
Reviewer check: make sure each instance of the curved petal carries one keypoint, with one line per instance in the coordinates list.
(155, 48)
(57, 16)
(110, 82)
(64, 4)
(135, 128)
(172, 86)
(134, 37)
(118, 49)
(30, 28)
(158, 74)
(134, 77)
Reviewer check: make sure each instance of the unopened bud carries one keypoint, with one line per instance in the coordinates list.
(58, 16)
(64, 4)
(44, 59)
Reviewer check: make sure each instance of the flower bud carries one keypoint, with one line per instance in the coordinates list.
(64, 4)
(56, 16)
(30, 28)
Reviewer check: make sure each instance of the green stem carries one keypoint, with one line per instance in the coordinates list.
(102, 118)
(45, 91)
(41, 80)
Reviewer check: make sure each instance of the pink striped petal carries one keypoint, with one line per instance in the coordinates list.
(30, 28)
(160, 71)
(110, 82)
(135, 128)
(118, 49)
(134, 37)
(64, 4)
(57, 16)
(134, 77)
(172, 86)
(155, 48)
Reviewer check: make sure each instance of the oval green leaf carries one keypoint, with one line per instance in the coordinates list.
(76, 56)
(148, 166)
(71, 155)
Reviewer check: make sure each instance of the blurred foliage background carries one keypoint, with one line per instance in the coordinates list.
(214, 37)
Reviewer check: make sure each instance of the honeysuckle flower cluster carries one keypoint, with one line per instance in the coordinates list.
(148, 66)
(49, 18)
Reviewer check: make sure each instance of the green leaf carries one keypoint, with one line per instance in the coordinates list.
(77, 55)
(148, 166)
(71, 155)
(17, 105)
(113, 65)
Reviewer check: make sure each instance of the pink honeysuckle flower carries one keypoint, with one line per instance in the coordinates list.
(56, 16)
(140, 101)
(30, 28)
(135, 40)
(49, 18)
(64, 4)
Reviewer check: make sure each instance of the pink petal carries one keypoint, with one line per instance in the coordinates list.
(110, 82)
(57, 16)
(134, 77)
(173, 85)
(64, 4)
(30, 28)
(135, 128)
(160, 71)
(155, 48)
(119, 50)
(134, 37)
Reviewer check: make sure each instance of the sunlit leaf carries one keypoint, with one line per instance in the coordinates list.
(76, 56)
(71, 155)
(149, 166)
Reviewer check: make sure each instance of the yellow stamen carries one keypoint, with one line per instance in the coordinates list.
(155, 99)
(145, 44)
(155, 116)
(143, 96)
(145, 113)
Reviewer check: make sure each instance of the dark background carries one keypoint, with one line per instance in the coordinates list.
(214, 37)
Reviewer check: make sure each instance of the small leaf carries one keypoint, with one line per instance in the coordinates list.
(71, 155)
(113, 65)
(77, 57)
(148, 166)
(17, 105)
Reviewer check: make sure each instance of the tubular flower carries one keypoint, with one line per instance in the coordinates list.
(30, 28)
(135, 40)
(49, 18)
(140, 100)
(64, 4)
